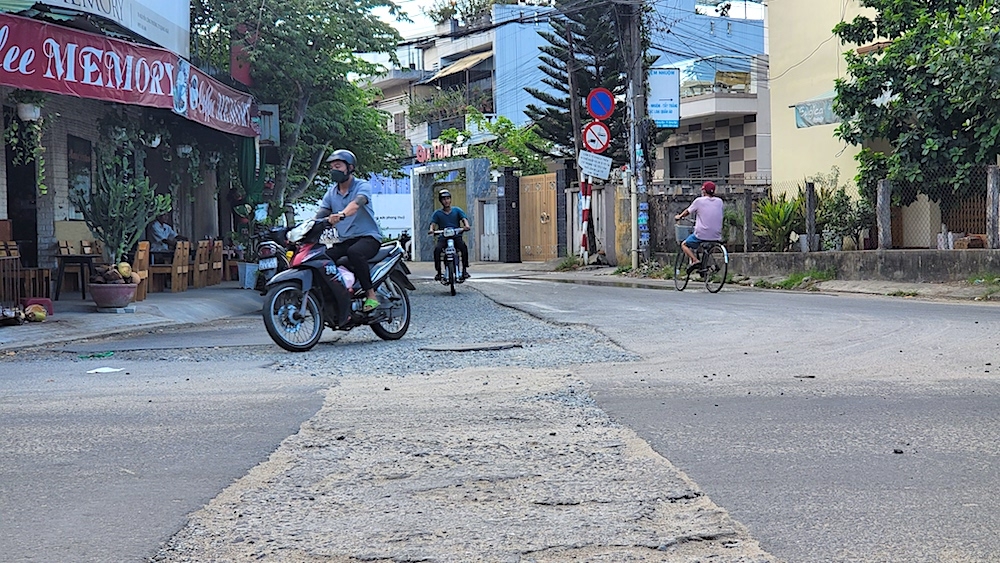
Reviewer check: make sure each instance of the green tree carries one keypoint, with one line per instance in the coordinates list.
(598, 62)
(929, 90)
(518, 147)
(301, 54)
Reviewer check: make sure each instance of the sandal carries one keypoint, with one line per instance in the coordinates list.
(369, 305)
(694, 267)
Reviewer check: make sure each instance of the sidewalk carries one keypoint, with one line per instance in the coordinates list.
(77, 319)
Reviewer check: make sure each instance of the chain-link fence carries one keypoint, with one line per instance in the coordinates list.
(944, 209)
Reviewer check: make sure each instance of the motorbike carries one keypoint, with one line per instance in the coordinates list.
(311, 294)
(272, 256)
(451, 259)
(404, 241)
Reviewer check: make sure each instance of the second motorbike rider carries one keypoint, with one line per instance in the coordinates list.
(348, 206)
(446, 217)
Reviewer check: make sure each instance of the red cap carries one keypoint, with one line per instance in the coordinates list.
(708, 187)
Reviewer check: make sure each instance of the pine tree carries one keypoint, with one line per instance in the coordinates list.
(599, 45)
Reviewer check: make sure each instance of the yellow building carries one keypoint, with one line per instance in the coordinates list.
(805, 59)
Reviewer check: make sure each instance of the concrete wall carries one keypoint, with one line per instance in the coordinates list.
(884, 265)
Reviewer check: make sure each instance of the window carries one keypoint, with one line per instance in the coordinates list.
(399, 123)
(80, 170)
(703, 160)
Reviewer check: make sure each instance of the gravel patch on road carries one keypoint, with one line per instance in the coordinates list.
(437, 319)
(473, 465)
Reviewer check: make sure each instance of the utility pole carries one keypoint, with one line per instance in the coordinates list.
(637, 114)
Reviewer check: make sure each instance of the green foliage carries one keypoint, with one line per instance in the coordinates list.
(569, 263)
(466, 11)
(300, 54)
(447, 104)
(930, 92)
(775, 219)
(519, 147)
(121, 205)
(800, 280)
(24, 138)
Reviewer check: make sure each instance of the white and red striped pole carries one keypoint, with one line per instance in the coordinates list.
(585, 190)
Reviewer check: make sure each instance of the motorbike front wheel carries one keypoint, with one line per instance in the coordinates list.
(451, 275)
(399, 311)
(293, 328)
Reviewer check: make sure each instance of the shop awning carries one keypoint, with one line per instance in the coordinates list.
(816, 111)
(65, 61)
(465, 63)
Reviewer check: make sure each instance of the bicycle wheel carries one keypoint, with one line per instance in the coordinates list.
(715, 267)
(680, 271)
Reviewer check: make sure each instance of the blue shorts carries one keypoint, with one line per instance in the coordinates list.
(693, 242)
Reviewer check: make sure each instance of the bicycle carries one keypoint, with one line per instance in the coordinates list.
(713, 262)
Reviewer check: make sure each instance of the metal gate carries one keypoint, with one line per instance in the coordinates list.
(489, 240)
(539, 238)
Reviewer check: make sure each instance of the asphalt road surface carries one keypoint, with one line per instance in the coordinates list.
(104, 466)
(835, 428)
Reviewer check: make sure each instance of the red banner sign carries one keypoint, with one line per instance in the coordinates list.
(59, 60)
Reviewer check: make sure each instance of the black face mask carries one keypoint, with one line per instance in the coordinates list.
(338, 176)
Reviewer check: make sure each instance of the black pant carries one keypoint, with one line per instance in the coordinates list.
(358, 251)
(459, 244)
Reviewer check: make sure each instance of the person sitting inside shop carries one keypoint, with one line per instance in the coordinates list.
(163, 237)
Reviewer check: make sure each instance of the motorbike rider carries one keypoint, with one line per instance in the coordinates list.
(348, 206)
(449, 216)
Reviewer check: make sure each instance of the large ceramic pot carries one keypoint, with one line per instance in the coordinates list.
(112, 295)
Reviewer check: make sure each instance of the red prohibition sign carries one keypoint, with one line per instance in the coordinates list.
(596, 136)
(600, 103)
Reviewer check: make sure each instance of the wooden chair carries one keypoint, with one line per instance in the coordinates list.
(92, 247)
(200, 265)
(66, 248)
(140, 266)
(35, 282)
(176, 271)
(215, 263)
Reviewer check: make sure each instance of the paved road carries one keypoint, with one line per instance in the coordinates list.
(102, 467)
(836, 428)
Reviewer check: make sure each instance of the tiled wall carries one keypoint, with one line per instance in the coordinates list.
(740, 131)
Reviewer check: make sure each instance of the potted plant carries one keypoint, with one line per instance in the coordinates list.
(118, 210)
(23, 137)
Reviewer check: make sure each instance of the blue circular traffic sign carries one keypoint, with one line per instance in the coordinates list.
(600, 103)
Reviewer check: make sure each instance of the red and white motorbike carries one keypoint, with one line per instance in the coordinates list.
(311, 295)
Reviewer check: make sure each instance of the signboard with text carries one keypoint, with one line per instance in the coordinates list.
(59, 60)
(167, 24)
(594, 165)
(664, 102)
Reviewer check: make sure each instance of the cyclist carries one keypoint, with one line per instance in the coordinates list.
(707, 211)
(446, 217)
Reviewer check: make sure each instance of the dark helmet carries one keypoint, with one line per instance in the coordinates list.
(345, 155)
(708, 188)
(443, 194)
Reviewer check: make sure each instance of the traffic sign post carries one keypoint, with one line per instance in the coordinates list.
(596, 137)
(600, 103)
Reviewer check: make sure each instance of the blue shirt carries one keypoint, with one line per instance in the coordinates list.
(362, 223)
(453, 219)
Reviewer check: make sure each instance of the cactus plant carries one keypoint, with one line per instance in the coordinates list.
(121, 205)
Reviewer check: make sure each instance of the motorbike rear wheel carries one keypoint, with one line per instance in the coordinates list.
(399, 311)
(292, 328)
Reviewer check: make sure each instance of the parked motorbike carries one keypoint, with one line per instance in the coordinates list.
(272, 256)
(404, 241)
(451, 258)
(311, 294)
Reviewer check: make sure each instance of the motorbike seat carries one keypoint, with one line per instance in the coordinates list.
(379, 256)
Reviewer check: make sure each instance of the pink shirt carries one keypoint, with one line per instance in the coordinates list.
(707, 213)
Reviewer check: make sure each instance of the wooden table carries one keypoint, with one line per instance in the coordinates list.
(86, 262)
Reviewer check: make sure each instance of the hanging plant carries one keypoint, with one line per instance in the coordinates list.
(24, 138)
